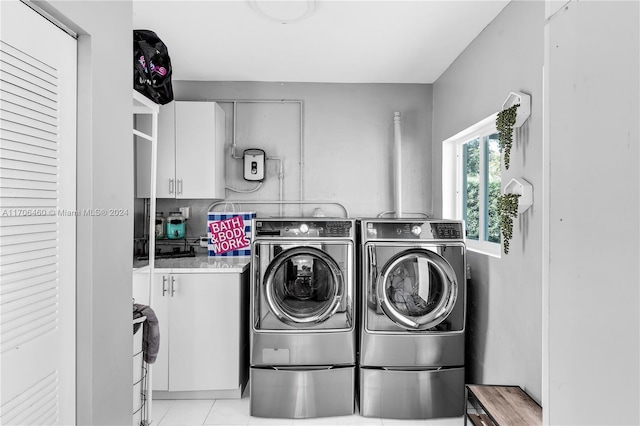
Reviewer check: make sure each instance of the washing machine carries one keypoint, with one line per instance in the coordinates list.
(303, 334)
(412, 325)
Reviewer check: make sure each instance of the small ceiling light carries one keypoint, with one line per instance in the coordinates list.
(284, 11)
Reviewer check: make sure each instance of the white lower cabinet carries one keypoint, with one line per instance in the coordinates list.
(202, 341)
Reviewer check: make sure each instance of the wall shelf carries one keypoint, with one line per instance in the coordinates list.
(524, 189)
(524, 110)
(143, 106)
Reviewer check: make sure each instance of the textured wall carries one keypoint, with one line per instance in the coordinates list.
(592, 114)
(505, 295)
(347, 142)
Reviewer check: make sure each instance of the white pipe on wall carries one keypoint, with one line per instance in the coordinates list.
(301, 153)
(280, 180)
(233, 141)
(397, 157)
(263, 202)
(281, 101)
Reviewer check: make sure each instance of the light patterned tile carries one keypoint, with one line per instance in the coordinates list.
(357, 419)
(159, 408)
(450, 421)
(236, 412)
(401, 422)
(267, 421)
(326, 421)
(185, 412)
(229, 412)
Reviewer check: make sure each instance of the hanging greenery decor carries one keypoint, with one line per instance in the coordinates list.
(504, 124)
(508, 206)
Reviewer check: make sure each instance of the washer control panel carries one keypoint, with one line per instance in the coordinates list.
(304, 228)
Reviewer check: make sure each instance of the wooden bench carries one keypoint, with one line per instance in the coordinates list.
(489, 405)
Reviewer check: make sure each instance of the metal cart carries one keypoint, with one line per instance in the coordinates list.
(140, 377)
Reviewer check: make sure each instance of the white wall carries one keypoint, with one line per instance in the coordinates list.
(104, 313)
(348, 142)
(592, 358)
(593, 330)
(504, 324)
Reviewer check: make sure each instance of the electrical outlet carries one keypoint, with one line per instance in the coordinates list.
(186, 211)
(204, 242)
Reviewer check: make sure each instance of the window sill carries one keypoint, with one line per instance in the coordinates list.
(489, 249)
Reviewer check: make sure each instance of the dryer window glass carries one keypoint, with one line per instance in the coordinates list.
(303, 286)
(416, 289)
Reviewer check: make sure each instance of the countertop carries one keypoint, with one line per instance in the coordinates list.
(200, 264)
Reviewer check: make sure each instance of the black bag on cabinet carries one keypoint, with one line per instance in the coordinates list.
(151, 67)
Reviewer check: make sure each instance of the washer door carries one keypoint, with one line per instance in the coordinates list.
(303, 285)
(417, 289)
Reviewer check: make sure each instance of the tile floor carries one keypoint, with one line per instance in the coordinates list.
(236, 412)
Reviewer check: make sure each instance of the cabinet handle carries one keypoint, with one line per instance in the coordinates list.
(164, 285)
(173, 285)
(179, 186)
(171, 186)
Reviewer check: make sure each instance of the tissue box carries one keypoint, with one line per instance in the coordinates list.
(229, 234)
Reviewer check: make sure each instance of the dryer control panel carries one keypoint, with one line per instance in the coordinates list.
(420, 230)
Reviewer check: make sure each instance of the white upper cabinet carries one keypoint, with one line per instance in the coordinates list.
(191, 138)
(166, 171)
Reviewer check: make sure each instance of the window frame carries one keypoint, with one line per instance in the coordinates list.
(453, 179)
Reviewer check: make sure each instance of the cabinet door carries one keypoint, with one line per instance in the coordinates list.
(166, 168)
(205, 332)
(199, 150)
(219, 181)
(160, 304)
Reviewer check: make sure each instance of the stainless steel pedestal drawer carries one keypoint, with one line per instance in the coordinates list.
(411, 394)
(302, 393)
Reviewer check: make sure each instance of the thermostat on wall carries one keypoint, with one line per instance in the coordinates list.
(253, 164)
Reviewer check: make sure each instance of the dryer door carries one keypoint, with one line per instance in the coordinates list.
(417, 289)
(305, 286)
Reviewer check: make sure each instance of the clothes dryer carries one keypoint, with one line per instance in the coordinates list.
(303, 336)
(413, 295)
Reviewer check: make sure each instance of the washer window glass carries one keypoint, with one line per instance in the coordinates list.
(417, 289)
(303, 285)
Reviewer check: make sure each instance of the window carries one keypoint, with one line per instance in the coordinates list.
(471, 184)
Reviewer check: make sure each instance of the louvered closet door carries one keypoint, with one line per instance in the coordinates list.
(37, 226)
